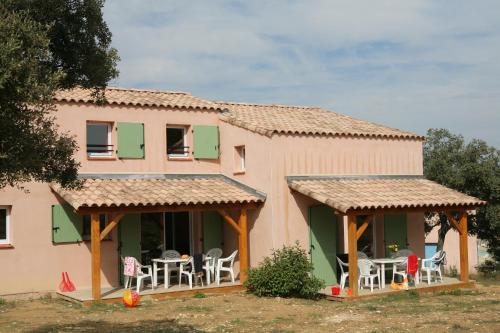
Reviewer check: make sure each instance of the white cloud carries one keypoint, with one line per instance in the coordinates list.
(408, 64)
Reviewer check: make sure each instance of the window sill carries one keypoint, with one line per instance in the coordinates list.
(103, 158)
(240, 172)
(6, 246)
(179, 158)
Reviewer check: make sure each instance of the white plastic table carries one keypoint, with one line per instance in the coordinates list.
(165, 263)
(382, 262)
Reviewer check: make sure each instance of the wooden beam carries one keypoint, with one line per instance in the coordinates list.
(95, 246)
(230, 220)
(112, 222)
(464, 253)
(165, 208)
(363, 227)
(243, 245)
(352, 254)
(455, 224)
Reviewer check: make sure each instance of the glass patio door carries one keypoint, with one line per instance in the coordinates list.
(178, 232)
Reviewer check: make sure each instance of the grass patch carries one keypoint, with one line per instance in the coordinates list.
(410, 295)
(100, 307)
(459, 292)
(4, 304)
(199, 308)
(436, 322)
(458, 327)
(199, 295)
(46, 297)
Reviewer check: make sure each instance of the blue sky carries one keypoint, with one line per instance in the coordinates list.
(412, 65)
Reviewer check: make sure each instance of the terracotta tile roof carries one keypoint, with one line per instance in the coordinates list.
(157, 190)
(270, 119)
(136, 97)
(371, 193)
(259, 118)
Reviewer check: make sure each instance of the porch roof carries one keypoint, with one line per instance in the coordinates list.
(157, 190)
(350, 194)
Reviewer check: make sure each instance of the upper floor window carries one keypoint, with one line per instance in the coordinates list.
(239, 159)
(4, 225)
(177, 141)
(99, 139)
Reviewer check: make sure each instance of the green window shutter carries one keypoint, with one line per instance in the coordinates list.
(212, 231)
(130, 140)
(395, 232)
(206, 142)
(67, 226)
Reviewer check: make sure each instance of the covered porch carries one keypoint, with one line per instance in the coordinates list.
(119, 197)
(358, 200)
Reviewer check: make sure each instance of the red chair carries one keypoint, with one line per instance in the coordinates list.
(411, 268)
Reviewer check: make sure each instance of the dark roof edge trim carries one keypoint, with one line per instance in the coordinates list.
(147, 175)
(245, 187)
(227, 179)
(351, 177)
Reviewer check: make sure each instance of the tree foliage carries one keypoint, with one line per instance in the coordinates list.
(46, 45)
(472, 168)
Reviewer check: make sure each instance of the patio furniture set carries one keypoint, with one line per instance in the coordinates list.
(402, 264)
(192, 268)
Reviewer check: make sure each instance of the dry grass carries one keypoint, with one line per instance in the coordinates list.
(453, 311)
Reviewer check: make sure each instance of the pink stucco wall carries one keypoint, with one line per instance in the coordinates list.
(72, 117)
(34, 264)
(452, 249)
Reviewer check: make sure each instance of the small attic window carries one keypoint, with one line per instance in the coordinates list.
(239, 159)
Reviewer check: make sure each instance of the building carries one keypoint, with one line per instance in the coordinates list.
(170, 170)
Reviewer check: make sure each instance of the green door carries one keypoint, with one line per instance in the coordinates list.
(129, 230)
(323, 237)
(212, 231)
(395, 232)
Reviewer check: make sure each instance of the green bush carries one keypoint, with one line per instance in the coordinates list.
(489, 268)
(286, 273)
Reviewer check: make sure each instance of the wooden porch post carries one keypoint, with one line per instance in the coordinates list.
(242, 230)
(96, 255)
(352, 254)
(464, 253)
(243, 245)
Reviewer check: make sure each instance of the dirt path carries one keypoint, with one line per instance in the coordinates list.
(476, 310)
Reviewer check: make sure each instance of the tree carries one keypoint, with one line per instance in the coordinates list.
(472, 168)
(46, 45)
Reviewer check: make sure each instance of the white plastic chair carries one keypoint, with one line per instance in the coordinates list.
(402, 268)
(362, 255)
(365, 267)
(343, 275)
(433, 265)
(209, 267)
(140, 275)
(187, 269)
(222, 268)
(171, 267)
(402, 253)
